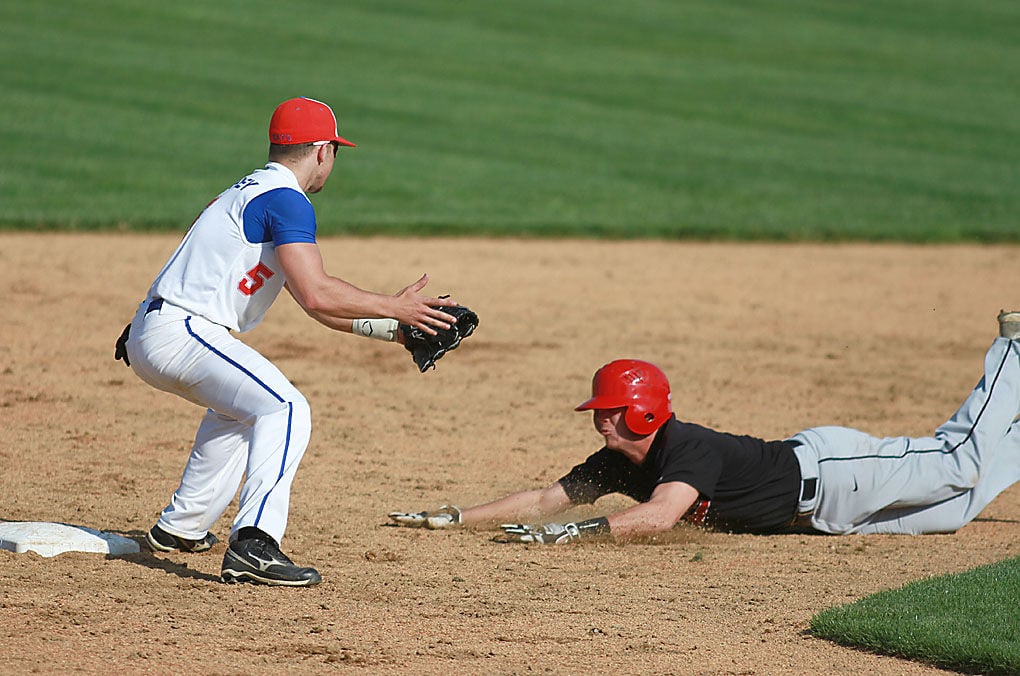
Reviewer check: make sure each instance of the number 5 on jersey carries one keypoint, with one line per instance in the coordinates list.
(254, 279)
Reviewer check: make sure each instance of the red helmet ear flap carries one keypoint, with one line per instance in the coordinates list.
(639, 386)
(645, 421)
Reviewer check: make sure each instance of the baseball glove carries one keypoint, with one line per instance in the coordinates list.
(426, 349)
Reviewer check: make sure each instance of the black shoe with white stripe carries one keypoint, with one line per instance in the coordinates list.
(159, 540)
(259, 561)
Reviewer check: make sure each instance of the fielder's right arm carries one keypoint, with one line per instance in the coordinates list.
(334, 302)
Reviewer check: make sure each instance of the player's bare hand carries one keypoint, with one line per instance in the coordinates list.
(446, 517)
(416, 309)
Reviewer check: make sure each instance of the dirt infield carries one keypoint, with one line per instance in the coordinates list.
(761, 339)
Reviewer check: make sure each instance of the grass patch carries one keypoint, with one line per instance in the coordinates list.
(771, 119)
(967, 622)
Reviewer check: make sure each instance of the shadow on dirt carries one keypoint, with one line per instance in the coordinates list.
(169, 563)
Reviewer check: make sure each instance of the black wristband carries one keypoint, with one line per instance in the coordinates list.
(593, 527)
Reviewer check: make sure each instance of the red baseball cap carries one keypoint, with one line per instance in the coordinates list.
(304, 120)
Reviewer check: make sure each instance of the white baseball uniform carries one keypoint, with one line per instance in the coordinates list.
(223, 277)
(911, 485)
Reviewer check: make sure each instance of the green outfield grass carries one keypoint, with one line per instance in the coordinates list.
(782, 119)
(967, 622)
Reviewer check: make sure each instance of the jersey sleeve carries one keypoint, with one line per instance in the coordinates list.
(601, 474)
(280, 216)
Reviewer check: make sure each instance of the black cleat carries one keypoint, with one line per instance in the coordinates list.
(260, 561)
(161, 541)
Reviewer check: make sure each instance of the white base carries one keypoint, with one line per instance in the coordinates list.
(50, 539)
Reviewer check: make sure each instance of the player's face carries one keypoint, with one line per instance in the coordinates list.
(327, 158)
(610, 424)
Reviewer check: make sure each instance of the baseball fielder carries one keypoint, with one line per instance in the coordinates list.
(256, 238)
(830, 479)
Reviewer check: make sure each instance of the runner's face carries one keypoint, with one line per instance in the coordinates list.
(610, 424)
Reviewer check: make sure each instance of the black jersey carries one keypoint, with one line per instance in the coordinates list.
(745, 484)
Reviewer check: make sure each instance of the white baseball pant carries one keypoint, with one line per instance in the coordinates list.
(257, 423)
(932, 484)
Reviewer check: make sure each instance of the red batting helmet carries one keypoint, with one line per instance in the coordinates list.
(639, 386)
